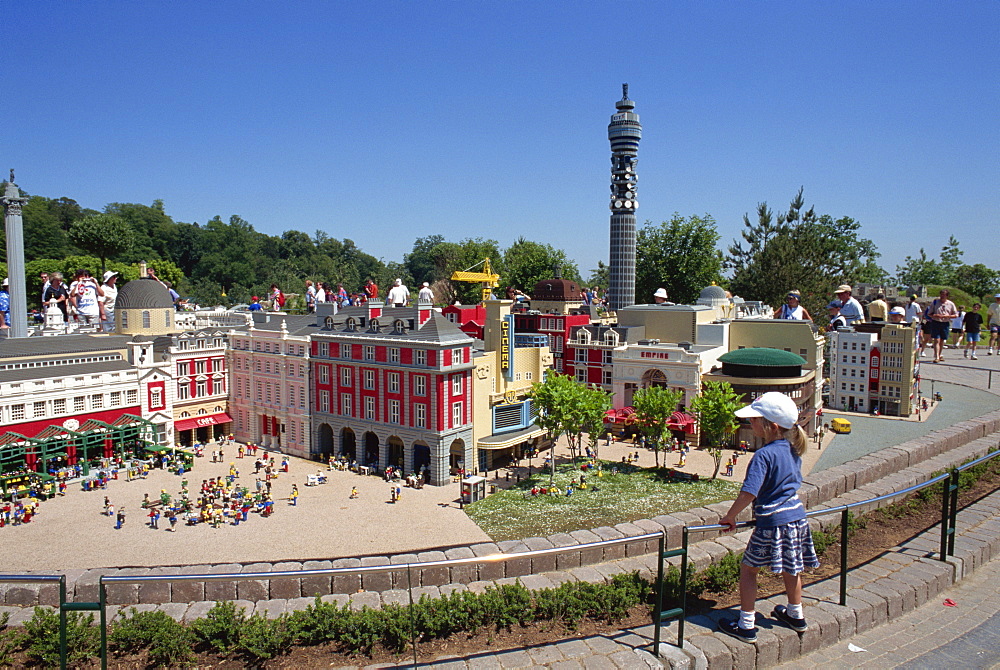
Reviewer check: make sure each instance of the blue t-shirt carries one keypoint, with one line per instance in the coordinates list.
(773, 477)
(5, 306)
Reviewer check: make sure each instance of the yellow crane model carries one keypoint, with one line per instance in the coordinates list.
(487, 277)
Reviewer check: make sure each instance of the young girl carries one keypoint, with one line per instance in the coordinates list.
(781, 539)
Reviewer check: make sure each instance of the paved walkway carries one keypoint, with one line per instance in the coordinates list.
(931, 636)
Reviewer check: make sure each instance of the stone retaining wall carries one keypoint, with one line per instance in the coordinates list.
(887, 470)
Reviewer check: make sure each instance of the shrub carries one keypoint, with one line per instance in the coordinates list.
(221, 626)
(9, 641)
(723, 576)
(822, 540)
(168, 641)
(41, 637)
(262, 638)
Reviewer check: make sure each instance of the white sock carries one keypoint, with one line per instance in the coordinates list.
(794, 611)
(748, 620)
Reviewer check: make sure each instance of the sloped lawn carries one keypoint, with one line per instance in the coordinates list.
(633, 493)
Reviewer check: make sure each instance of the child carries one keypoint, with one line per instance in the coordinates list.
(781, 539)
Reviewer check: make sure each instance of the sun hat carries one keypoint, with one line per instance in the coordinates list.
(898, 310)
(836, 304)
(109, 274)
(426, 284)
(774, 407)
(843, 288)
(660, 293)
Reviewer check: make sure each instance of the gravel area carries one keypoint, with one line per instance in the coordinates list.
(71, 532)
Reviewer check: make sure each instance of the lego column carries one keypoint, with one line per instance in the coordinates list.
(12, 202)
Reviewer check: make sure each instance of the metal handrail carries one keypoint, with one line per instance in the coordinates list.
(364, 569)
(394, 567)
(949, 514)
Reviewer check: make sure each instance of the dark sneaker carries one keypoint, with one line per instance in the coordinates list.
(781, 614)
(732, 627)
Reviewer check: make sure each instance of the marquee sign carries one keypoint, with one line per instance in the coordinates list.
(506, 351)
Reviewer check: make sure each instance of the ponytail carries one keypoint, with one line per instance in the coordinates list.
(797, 438)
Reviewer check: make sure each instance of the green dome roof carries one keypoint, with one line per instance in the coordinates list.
(762, 357)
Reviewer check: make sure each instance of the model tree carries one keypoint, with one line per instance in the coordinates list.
(566, 406)
(716, 411)
(653, 407)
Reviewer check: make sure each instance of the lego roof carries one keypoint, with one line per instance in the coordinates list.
(50, 371)
(61, 345)
(762, 357)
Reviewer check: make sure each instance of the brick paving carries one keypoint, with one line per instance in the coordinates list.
(931, 636)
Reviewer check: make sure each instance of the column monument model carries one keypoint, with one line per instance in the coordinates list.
(12, 202)
(624, 133)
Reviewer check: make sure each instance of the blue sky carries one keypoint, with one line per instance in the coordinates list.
(386, 121)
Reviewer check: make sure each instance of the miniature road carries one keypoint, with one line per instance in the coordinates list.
(931, 636)
(71, 532)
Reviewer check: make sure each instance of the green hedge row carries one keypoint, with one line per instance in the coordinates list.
(227, 629)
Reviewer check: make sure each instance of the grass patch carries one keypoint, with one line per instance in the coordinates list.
(633, 493)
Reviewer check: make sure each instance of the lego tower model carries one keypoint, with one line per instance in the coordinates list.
(624, 133)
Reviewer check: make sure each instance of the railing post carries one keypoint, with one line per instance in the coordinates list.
(62, 623)
(844, 523)
(684, 589)
(953, 521)
(658, 603)
(103, 600)
(413, 621)
(945, 517)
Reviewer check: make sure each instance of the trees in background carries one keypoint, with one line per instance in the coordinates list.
(103, 235)
(679, 255)
(798, 249)
(525, 263)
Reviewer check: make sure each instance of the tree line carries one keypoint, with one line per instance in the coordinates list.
(228, 261)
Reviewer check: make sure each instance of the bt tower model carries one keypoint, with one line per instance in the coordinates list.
(624, 133)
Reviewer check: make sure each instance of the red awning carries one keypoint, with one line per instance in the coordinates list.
(623, 415)
(682, 421)
(202, 421)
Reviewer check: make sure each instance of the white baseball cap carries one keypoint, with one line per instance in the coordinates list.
(774, 407)
(898, 310)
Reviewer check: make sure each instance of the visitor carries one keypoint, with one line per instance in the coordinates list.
(781, 540)
(850, 308)
(878, 309)
(941, 312)
(973, 325)
(792, 309)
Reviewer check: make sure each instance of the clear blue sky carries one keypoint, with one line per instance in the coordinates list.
(386, 121)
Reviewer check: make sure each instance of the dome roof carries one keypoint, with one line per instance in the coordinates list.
(762, 357)
(557, 290)
(144, 294)
(712, 292)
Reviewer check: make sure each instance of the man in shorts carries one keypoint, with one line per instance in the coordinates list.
(973, 324)
(941, 313)
(993, 317)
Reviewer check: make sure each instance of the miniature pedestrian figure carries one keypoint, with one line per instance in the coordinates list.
(294, 497)
(354, 492)
(62, 487)
(392, 494)
(173, 519)
(284, 463)
(120, 520)
(781, 539)
(683, 461)
(729, 467)
(399, 493)
(240, 452)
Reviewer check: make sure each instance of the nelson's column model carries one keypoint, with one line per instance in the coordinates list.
(624, 133)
